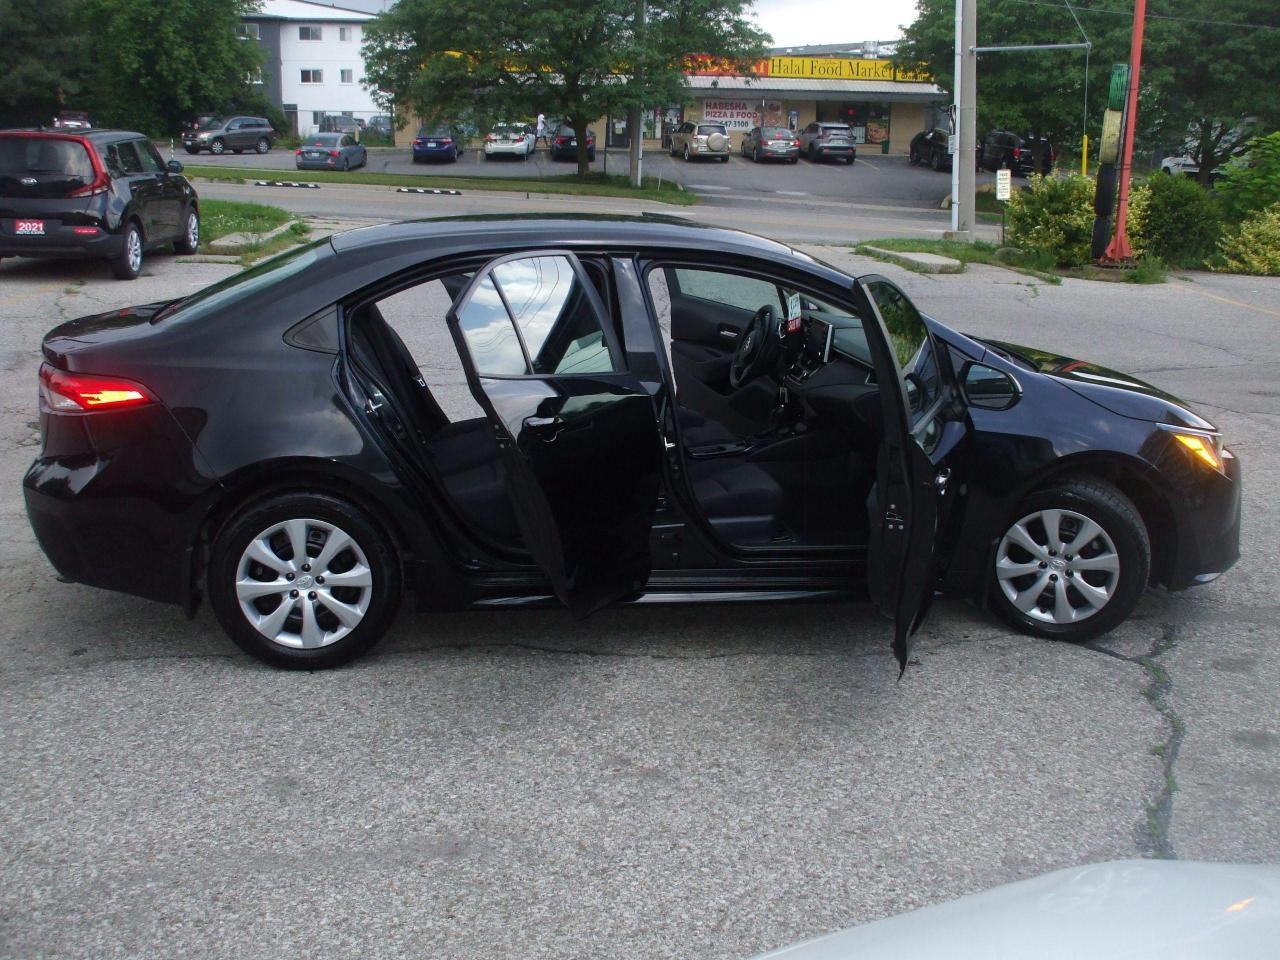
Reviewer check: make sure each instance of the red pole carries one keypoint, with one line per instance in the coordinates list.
(1118, 250)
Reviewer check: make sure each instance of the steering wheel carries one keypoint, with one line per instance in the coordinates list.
(755, 348)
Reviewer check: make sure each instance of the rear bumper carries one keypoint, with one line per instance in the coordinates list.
(433, 153)
(62, 244)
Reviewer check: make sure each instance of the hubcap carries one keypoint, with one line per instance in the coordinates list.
(134, 251)
(304, 583)
(1057, 566)
(193, 230)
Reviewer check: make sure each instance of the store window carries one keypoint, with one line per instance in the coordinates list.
(868, 121)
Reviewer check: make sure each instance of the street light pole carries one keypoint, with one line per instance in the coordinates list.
(963, 180)
(635, 119)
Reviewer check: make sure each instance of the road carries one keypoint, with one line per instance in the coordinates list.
(653, 782)
(874, 178)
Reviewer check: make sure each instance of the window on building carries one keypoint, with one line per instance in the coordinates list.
(313, 76)
(346, 76)
(317, 117)
(253, 77)
(344, 34)
(309, 33)
(248, 31)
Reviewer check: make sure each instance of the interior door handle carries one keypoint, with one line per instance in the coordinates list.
(729, 333)
(543, 423)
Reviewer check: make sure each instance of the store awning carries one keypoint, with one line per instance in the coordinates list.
(796, 88)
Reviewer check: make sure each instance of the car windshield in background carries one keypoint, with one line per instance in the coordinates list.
(233, 289)
(324, 140)
(706, 129)
(55, 164)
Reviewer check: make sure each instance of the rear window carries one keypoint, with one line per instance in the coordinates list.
(324, 140)
(57, 166)
(226, 293)
(836, 128)
(706, 129)
(777, 133)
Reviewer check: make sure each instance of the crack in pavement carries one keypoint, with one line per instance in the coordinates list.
(1159, 810)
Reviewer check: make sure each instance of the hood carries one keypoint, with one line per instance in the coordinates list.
(1131, 909)
(1118, 392)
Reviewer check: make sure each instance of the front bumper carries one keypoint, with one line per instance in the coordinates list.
(1208, 526)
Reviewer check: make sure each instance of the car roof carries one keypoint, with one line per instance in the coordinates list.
(553, 230)
(93, 133)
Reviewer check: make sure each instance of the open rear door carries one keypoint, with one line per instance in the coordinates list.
(911, 500)
(578, 434)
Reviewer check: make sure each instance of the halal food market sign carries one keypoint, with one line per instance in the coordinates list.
(738, 114)
(811, 68)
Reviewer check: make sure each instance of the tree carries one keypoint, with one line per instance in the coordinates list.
(41, 53)
(490, 59)
(1205, 68)
(153, 64)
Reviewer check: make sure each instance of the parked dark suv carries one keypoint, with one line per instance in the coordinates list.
(930, 148)
(236, 134)
(99, 193)
(1003, 149)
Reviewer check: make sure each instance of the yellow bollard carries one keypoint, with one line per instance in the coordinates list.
(1084, 156)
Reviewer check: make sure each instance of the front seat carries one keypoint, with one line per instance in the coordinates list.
(740, 500)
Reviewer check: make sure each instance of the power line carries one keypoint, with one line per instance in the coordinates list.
(1153, 16)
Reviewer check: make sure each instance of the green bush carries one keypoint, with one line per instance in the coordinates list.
(1054, 215)
(1175, 219)
(1252, 183)
(1255, 247)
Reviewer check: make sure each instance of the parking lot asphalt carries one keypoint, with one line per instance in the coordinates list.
(701, 782)
(874, 178)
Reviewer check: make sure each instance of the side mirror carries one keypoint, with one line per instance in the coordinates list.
(988, 388)
(173, 166)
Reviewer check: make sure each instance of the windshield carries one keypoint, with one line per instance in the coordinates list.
(243, 284)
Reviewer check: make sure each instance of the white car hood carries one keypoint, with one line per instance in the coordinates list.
(1132, 909)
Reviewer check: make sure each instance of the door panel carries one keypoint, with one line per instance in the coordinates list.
(915, 486)
(577, 433)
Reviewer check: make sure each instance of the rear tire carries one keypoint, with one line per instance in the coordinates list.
(128, 265)
(300, 640)
(192, 150)
(1111, 567)
(218, 147)
(687, 157)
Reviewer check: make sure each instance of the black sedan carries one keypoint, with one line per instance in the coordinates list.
(492, 411)
(564, 144)
(930, 148)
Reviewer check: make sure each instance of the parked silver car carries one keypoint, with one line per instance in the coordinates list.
(697, 140)
(330, 151)
(818, 141)
(771, 143)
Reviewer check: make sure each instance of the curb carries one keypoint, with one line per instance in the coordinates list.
(284, 183)
(919, 262)
(430, 190)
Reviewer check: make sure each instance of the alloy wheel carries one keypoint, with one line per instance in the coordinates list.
(304, 583)
(1057, 566)
(193, 230)
(133, 250)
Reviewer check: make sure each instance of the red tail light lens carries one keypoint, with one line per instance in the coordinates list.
(85, 231)
(447, 140)
(65, 392)
(333, 153)
(561, 141)
(298, 152)
(419, 142)
(490, 138)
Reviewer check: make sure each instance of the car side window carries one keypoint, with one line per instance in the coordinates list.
(547, 302)
(130, 162)
(151, 160)
(730, 289)
(912, 347)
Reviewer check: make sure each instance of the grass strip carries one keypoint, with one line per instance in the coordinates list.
(221, 217)
(590, 185)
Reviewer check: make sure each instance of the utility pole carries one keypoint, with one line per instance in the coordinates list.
(966, 109)
(634, 119)
(1119, 250)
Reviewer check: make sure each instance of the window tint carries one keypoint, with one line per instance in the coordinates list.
(707, 129)
(746, 293)
(556, 318)
(130, 162)
(150, 157)
(487, 329)
(912, 347)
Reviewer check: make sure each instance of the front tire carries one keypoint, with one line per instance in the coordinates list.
(687, 157)
(128, 265)
(263, 145)
(1072, 561)
(273, 581)
(190, 239)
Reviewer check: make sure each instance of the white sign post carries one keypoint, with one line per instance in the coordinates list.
(1004, 184)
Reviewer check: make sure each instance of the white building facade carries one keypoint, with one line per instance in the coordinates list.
(313, 64)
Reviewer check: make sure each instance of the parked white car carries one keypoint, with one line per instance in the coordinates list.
(1183, 165)
(509, 140)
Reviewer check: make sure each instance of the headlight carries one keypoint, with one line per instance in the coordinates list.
(1205, 447)
(203, 136)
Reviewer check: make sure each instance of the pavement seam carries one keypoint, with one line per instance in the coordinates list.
(1154, 831)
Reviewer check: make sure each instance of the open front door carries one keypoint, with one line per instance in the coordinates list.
(912, 500)
(578, 434)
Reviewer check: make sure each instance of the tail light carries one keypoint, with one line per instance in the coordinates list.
(795, 143)
(561, 141)
(447, 140)
(1017, 153)
(85, 231)
(65, 392)
(419, 142)
(333, 153)
(298, 152)
(490, 138)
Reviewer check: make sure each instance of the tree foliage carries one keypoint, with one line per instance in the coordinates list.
(486, 60)
(42, 50)
(1207, 68)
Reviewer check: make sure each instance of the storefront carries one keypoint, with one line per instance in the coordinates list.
(885, 107)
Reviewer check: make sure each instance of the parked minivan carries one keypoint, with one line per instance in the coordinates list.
(95, 193)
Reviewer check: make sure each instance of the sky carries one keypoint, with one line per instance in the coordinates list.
(794, 22)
